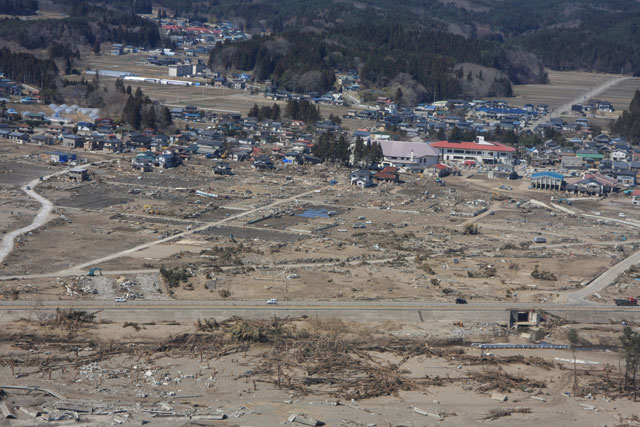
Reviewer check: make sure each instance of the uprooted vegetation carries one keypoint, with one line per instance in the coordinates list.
(301, 355)
(174, 276)
(329, 357)
(543, 275)
(69, 320)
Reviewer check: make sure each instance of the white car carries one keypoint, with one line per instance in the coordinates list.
(121, 299)
(272, 301)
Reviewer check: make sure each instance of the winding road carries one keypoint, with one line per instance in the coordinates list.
(41, 218)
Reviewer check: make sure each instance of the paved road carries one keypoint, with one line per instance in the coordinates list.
(365, 311)
(578, 100)
(41, 218)
(602, 281)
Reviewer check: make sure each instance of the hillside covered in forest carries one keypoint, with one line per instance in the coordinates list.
(416, 45)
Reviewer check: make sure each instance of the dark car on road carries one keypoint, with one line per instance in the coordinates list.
(461, 301)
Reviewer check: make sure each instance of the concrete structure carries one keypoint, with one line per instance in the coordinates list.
(635, 197)
(547, 181)
(480, 151)
(78, 174)
(180, 70)
(407, 154)
(72, 141)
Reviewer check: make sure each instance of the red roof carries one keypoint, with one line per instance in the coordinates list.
(486, 146)
(440, 166)
(636, 193)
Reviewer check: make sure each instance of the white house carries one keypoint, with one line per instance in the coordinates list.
(408, 154)
(480, 151)
(618, 155)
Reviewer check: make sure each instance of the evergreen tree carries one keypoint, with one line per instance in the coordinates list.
(68, 67)
(358, 150)
(456, 134)
(342, 150)
(275, 112)
(628, 124)
(149, 117)
(254, 111)
(164, 120)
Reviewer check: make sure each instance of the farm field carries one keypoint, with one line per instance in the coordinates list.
(566, 85)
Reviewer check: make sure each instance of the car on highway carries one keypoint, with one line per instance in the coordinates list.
(461, 301)
(121, 299)
(272, 301)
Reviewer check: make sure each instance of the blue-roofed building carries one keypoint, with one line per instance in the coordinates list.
(547, 181)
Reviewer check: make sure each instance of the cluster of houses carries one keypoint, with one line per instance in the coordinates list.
(600, 165)
(188, 35)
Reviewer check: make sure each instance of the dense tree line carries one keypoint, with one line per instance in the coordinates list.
(305, 62)
(27, 68)
(332, 148)
(603, 35)
(18, 7)
(294, 62)
(367, 153)
(265, 112)
(609, 44)
(57, 50)
(140, 113)
(302, 110)
(88, 24)
(628, 124)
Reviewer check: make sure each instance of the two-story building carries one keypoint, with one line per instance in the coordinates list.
(481, 151)
(408, 154)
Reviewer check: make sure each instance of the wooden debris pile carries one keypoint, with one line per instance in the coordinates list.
(499, 380)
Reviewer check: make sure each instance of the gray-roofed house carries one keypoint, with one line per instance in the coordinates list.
(361, 178)
(72, 141)
(408, 154)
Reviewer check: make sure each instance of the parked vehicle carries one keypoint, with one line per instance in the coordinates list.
(461, 301)
(631, 301)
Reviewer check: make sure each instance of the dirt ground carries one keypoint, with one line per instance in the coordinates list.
(390, 375)
(416, 239)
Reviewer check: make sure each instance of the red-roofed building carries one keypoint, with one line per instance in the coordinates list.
(480, 151)
(635, 197)
(389, 174)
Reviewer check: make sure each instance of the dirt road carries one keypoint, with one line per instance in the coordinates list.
(41, 218)
(96, 262)
(578, 100)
